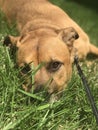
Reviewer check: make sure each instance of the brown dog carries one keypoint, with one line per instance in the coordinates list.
(47, 35)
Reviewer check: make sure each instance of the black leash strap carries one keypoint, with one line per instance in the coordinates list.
(87, 89)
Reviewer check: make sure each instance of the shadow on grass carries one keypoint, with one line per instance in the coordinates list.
(91, 57)
(93, 4)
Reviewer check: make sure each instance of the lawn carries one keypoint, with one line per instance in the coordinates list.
(25, 111)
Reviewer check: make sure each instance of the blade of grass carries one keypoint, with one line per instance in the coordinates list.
(31, 95)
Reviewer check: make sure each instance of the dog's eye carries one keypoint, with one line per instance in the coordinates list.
(25, 69)
(54, 66)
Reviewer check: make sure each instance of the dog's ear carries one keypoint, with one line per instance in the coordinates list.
(68, 35)
(11, 41)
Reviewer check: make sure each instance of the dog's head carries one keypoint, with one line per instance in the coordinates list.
(53, 51)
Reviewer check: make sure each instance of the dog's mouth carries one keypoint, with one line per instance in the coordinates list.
(32, 86)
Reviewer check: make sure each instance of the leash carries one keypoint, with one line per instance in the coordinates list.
(87, 88)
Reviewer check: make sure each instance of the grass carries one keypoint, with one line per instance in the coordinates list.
(24, 111)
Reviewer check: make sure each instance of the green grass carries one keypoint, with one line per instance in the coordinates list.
(24, 111)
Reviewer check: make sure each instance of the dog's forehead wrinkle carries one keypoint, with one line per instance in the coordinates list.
(27, 36)
(55, 59)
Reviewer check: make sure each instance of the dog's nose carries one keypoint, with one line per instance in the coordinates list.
(38, 88)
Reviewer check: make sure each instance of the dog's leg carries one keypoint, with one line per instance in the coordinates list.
(93, 49)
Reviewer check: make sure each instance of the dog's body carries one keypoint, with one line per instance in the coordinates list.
(46, 36)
